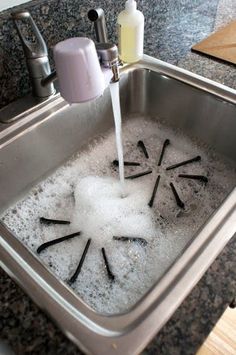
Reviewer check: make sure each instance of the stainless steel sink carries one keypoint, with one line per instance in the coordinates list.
(40, 140)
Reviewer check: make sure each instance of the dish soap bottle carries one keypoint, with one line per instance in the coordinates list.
(130, 33)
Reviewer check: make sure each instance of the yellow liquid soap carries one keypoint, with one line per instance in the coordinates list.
(130, 33)
(130, 48)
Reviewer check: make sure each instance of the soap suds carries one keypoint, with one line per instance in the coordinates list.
(86, 191)
(100, 212)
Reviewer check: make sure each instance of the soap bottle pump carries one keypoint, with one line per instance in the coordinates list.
(130, 33)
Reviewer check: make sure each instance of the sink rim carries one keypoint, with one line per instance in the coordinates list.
(131, 331)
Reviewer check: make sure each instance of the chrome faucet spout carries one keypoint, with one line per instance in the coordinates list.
(115, 71)
(108, 56)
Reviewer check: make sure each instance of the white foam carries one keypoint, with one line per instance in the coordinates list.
(100, 213)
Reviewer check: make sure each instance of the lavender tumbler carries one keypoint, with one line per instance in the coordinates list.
(78, 70)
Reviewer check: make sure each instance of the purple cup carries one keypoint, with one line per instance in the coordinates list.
(78, 70)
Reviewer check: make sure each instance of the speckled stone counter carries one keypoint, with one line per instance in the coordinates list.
(172, 27)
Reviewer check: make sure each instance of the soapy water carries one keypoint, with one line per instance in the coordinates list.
(99, 209)
(86, 191)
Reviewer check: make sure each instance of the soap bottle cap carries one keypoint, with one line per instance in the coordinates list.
(130, 5)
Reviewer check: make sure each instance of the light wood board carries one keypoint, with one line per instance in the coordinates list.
(221, 44)
(222, 339)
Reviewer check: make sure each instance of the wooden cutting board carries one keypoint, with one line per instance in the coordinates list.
(222, 339)
(221, 44)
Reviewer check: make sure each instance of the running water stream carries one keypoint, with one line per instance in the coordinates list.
(115, 99)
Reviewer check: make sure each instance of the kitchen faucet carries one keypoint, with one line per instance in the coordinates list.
(82, 69)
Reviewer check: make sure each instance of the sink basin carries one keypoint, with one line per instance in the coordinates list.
(32, 147)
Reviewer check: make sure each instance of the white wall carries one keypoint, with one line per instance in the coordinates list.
(6, 4)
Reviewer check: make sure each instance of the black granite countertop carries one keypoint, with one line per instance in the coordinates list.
(172, 27)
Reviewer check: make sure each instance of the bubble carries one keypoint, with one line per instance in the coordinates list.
(85, 190)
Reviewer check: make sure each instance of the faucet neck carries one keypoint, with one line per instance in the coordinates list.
(108, 56)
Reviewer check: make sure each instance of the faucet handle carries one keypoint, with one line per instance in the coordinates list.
(34, 49)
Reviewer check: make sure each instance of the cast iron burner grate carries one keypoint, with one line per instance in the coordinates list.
(143, 242)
